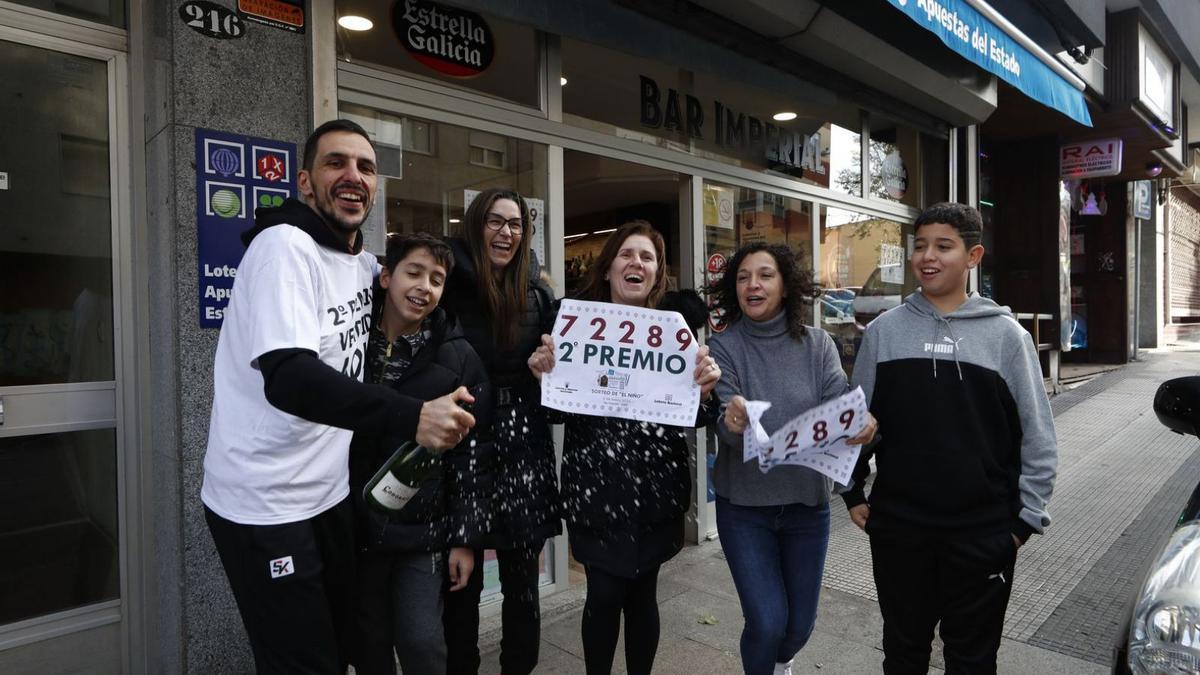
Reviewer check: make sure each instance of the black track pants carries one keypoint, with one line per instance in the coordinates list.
(964, 582)
(520, 615)
(294, 587)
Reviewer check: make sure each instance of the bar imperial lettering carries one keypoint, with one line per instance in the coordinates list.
(730, 128)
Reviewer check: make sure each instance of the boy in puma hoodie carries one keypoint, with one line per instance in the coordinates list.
(966, 457)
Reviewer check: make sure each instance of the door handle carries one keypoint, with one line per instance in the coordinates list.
(1, 411)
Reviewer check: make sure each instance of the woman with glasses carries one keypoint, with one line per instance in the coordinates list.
(496, 293)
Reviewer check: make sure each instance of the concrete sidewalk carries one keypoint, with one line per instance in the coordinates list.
(696, 588)
(1122, 479)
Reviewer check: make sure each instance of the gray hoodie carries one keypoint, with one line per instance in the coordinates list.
(967, 437)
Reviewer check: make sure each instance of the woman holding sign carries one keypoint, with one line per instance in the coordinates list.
(503, 307)
(774, 526)
(625, 483)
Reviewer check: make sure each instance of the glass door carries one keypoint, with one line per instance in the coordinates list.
(430, 172)
(60, 544)
(600, 194)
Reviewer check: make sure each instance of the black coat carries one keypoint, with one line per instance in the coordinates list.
(626, 486)
(526, 492)
(453, 507)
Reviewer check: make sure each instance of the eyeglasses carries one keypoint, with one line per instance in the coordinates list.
(496, 222)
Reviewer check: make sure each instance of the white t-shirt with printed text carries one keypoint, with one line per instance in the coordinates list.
(264, 466)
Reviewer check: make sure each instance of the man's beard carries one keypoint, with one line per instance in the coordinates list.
(326, 210)
(340, 224)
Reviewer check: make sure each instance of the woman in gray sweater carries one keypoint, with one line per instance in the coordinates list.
(774, 526)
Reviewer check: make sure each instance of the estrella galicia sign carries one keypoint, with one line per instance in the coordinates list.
(212, 20)
(451, 41)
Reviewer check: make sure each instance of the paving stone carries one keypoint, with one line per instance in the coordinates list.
(551, 661)
(1114, 454)
(1086, 623)
(1018, 657)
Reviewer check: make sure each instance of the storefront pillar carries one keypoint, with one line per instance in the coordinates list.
(257, 85)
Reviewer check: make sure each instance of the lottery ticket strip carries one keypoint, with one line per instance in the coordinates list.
(816, 438)
(638, 368)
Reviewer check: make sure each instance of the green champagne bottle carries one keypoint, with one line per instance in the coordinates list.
(400, 478)
(391, 488)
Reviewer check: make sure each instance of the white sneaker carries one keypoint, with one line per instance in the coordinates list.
(784, 668)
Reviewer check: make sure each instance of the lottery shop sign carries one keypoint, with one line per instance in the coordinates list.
(620, 361)
(285, 14)
(234, 175)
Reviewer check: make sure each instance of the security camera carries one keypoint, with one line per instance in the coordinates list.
(1081, 54)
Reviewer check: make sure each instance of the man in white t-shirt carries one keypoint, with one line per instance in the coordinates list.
(287, 396)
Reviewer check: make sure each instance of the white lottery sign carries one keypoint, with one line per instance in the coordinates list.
(621, 361)
(816, 438)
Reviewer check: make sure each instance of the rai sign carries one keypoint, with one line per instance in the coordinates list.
(1090, 159)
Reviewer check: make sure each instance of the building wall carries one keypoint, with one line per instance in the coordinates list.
(255, 85)
(1025, 186)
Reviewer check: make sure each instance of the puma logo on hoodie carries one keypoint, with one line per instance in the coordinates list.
(943, 348)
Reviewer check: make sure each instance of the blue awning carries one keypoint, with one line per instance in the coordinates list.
(962, 28)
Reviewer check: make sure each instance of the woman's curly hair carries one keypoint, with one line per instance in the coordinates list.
(798, 286)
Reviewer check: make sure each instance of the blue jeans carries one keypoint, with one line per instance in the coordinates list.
(776, 555)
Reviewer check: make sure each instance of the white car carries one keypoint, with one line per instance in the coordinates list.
(837, 305)
(876, 297)
(1161, 631)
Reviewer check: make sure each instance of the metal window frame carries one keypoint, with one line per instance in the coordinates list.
(972, 191)
(46, 30)
(76, 31)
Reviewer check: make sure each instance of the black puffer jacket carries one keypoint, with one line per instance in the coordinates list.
(526, 493)
(454, 505)
(626, 486)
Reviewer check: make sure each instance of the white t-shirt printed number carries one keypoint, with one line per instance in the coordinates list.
(351, 325)
(264, 466)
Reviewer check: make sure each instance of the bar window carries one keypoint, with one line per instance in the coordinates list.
(864, 272)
